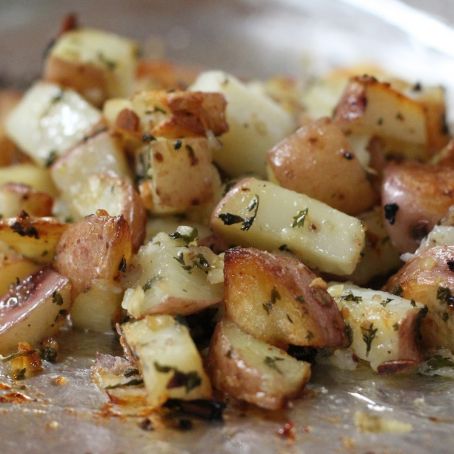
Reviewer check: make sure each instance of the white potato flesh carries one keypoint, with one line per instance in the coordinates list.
(171, 276)
(168, 224)
(256, 123)
(36, 177)
(50, 120)
(324, 238)
(384, 327)
(169, 361)
(113, 107)
(440, 235)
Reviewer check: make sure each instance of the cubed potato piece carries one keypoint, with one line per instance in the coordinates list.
(97, 64)
(97, 247)
(251, 370)
(13, 266)
(34, 238)
(317, 160)
(100, 153)
(279, 300)
(415, 197)
(256, 123)
(384, 329)
(378, 108)
(260, 214)
(170, 275)
(429, 279)
(379, 256)
(115, 195)
(50, 120)
(17, 197)
(164, 167)
(29, 174)
(169, 362)
(33, 309)
(99, 307)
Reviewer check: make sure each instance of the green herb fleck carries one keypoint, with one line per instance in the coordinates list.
(57, 298)
(271, 361)
(123, 265)
(110, 64)
(51, 157)
(351, 297)
(369, 336)
(299, 218)
(439, 362)
(386, 302)
(187, 238)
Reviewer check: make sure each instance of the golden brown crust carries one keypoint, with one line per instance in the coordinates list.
(34, 202)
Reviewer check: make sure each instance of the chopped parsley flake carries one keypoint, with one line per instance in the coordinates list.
(369, 336)
(271, 361)
(299, 218)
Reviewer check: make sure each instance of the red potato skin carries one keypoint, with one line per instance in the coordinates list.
(423, 195)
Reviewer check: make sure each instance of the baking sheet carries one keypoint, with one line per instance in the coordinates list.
(249, 38)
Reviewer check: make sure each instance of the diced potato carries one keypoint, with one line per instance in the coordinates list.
(415, 197)
(379, 256)
(13, 266)
(317, 160)
(256, 123)
(168, 359)
(384, 328)
(170, 275)
(29, 174)
(33, 309)
(34, 238)
(168, 224)
(96, 64)
(100, 153)
(165, 166)
(429, 279)
(279, 300)
(262, 215)
(98, 308)
(97, 247)
(368, 105)
(251, 370)
(50, 120)
(17, 197)
(115, 195)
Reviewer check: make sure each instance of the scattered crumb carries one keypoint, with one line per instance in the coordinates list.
(368, 422)
(59, 380)
(348, 443)
(53, 425)
(287, 431)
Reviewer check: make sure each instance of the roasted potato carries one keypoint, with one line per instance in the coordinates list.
(115, 195)
(317, 161)
(50, 120)
(17, 197)
(96, 64)
(429, 279)
(415, 197)
(33, 308)
(97, 247)
(251, 370)
(256, 123)
(384, 329)
(263, 215)
(168, 359)
(36, 177)
(34, 238)
(279, 300)
(446, 156)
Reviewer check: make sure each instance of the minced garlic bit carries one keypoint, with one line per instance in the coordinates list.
(59, 380)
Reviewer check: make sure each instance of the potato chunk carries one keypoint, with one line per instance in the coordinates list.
(33, 308)
(96, 64)
(168, 359)
(415, 197)
(36, 177)
(256, 123)
(17, 197)
(263, 215)
(251, 370)
(279, 300)
(318, 161)
(384, 328)
(50, 120)
(97, 247)
(429, 279)
(171, 275)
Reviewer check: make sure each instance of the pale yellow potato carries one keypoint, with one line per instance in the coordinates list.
(169, 361)
(428, 278)
(35, 238)
(96, 247)
(280, 301)
(97, 64)
(36, 177)
(176, 175)
(263, 215)
(17, 197)
(115, 195)
(251, 370)
(42, 301)
(317, 160)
